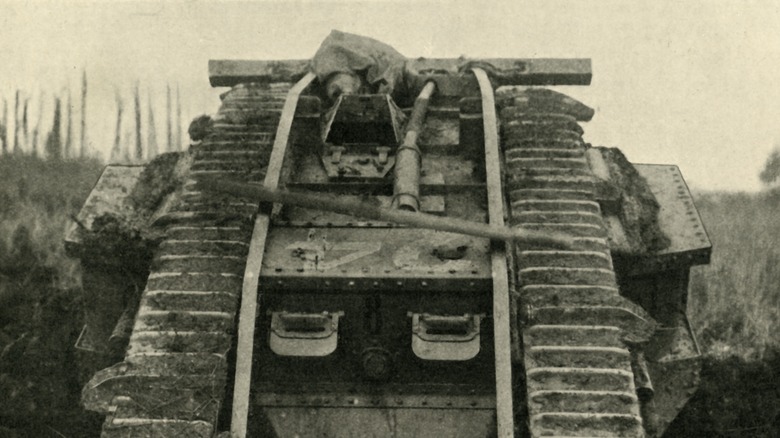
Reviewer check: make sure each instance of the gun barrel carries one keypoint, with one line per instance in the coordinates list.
(319, 201)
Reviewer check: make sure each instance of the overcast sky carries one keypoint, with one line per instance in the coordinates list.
(695, 83)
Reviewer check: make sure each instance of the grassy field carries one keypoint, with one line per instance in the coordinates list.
(734, 306)
(734, 302)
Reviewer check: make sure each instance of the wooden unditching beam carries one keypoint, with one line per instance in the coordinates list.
(502, 71)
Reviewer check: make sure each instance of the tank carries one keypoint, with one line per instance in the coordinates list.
(364, 245)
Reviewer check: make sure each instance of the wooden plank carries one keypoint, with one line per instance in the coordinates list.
(504, 71)
(501, 310)
(248, 312)
(229, 72)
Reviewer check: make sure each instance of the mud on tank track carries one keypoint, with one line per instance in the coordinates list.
(579, 379)
(173, 378)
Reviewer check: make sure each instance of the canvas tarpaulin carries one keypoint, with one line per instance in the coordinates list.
(380, 65)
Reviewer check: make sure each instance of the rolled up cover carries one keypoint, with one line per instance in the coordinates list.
(379, 64)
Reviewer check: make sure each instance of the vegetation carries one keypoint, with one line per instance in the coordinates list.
(734, 305)
(40, 316)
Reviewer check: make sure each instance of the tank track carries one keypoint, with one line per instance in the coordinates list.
(576, 328)
(173, 378)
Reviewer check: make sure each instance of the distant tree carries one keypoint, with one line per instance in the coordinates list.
(53, 141)
(178, 118)
(169, 140)
(151, 139)
(38, 126)
(69, 130)
(771, 173)
(17, 98)
(25, 124)
(116, 151)
(83, 132)
(4, 127)
(139, 151)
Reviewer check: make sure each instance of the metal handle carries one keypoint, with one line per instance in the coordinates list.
(440, 337)
(304, 334)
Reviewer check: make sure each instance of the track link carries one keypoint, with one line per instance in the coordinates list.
(172, 381)
(575, 325)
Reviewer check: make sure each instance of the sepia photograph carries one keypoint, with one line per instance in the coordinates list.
(389, 218)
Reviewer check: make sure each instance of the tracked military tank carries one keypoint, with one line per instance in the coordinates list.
(362, 244)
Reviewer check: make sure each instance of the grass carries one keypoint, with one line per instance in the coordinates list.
(36, 199)
(734, 302)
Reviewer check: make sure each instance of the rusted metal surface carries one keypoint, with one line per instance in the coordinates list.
(397, 421)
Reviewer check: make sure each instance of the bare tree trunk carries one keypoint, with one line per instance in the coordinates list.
(16, 122)
(169, 142)
(38, 126)
(178, 119)
(139, 151)
(152, 128)
(83, 133)
(4, 127)
(54, 142)
(116, 151)
(69, 132)
(25, 124)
